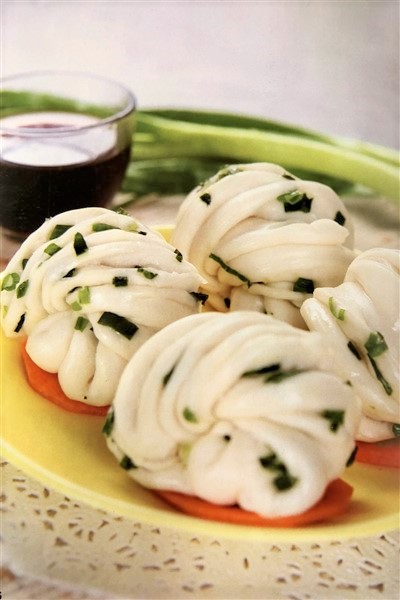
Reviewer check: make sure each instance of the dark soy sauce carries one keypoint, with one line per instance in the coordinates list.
(30, 193)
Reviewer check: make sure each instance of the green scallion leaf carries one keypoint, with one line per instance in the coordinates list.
(340, 218)
(120, 324)
(199, 296)
(58, 230)
(189, 415)
(229, 269)
(353, 348)
(284, 480)
(179, 255)
(378, 373)
(262, 370)
(109, 423)
(20, 323)
(102, 227)
(81, 323)
(10, 282)
(52, 249)
(396, 429)
(22, 288)
(206, 198)
(303, 285)
(120, 281)
(375, 344)
(75, 306)
(127, 464)
(295, 201)
(80, 245)
(24, 262)
(84, 295)
(335, 418)
(338, 313)
(146, 273)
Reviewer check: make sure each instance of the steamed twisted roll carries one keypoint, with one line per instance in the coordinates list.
(234, 408)
(360, 319)
(88, 288)
(264, 239)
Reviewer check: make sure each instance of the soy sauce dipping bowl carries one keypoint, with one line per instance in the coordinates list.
(65, 143)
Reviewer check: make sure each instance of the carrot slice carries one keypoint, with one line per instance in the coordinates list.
(382, 454)
(334, 502)
(47, 385)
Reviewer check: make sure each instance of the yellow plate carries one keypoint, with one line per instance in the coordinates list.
(67, 452)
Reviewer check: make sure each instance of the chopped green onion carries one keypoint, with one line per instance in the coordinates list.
(75, 306)
(22, 288)
(385, 384)
(340, 218)
(375, 344)
(168, 376)
(284, 480)
(80, 245)
(303, 285)
(262, 370)
(10, 282)
(81, 323)
(127, 464)
(119, 324)
(179, 255)
(295, 201)
(146, 273)
(353, 348)
(20, 323)
(229, 269)
(189, 415)
(338, 313)
(199, 296)
(206, 198)
(120, 281)
(24, 262)
(109, 423)
(183, 453)
(102, 227)
(52, 249)
(84, 295)
(352, 457)
(70, 273)
(281, 375)
(335, 418)
(59, 230)
(396, 429)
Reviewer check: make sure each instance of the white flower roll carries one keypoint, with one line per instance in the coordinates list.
(360, 318)
(264, 239)
(235, 408)
(88, 288)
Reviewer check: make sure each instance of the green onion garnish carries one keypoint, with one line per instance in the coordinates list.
(284, 480)
(52, 249)
(20, 323)
(119, 324)
(81, 323)
(294, 201)
(59, 230)
(102, 227)
(179, 255)
(229, 269)
(189, 415)
(206, 198)
(10, 282)
(303, 285)
(375, 344)
(335, 418)
(396, 429)
(127, 464)
(84, 295)
(146, 273)
(120, 281)
(80, 245)
(338, 313)
(22, 288)
(385, 384)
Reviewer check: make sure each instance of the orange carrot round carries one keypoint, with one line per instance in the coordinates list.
(382, 454)
(334, 502)
(47, 385)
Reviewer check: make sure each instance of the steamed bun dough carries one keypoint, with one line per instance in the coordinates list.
(234, 408)
(87, 289)
(264, 239)
(360, 320)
